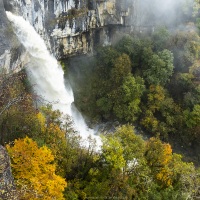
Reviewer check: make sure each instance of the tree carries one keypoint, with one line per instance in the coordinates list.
(133, 147)
(158, 67)
(128, 105)
(185, 48)
(193, 117)
(133, 46)
(161, 38)
(11, 90)
(17, 110)
(196, 7)
(112, 152)
(34, 171)
(124, 91)
(108, 87)
(121, 69)
(158, 156)
(184, 176)
(162, 115)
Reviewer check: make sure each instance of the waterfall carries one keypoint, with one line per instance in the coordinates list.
(47, 75)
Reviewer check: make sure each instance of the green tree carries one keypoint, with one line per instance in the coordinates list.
(133, 147)
(112, 153)
(124, 92)
(162, 115)
(161, 38)
(185, 48)
(133, 46)
(193, 117)
(17, 113)
(121, 69)
(157, 66)
(128, 105)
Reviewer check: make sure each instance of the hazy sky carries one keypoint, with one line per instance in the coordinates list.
(163, 11)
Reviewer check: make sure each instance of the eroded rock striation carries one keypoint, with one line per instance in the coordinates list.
(11, 51)
(73, 27)
(7, 187)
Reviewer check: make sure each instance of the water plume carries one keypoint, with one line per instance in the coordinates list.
(47, 75)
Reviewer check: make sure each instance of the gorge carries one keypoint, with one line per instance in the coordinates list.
(131, 67)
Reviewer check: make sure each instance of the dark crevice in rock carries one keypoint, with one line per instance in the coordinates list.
(36, 6)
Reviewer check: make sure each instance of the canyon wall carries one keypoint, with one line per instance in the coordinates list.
(12, 53)
(73, 27)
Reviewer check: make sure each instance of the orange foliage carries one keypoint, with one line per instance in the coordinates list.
(34, 172)
(159, 156)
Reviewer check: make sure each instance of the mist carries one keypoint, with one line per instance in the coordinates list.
(162, 12)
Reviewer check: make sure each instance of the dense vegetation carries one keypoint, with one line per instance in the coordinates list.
(148, 83)
(46, 150)
(127, 167)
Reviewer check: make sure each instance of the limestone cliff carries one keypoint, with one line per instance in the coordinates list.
(7, 187)
(72, 27)
(11, 50)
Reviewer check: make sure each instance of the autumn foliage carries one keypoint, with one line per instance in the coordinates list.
(151, 81)
(159, 156)
(34, 171)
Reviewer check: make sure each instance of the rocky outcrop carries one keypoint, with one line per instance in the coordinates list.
(7, 187)
(71, 27)
(11, 55)
(95, 22)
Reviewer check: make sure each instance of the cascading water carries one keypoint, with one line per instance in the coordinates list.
(47, 74)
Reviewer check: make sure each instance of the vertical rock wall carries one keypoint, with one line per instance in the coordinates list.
(7, 187)
(72, 27)
(11, 51)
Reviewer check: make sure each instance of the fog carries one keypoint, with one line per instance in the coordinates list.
(161, 12)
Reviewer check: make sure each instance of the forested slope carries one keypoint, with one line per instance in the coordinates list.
(145, 82)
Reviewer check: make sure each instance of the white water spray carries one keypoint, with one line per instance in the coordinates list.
(47, 74)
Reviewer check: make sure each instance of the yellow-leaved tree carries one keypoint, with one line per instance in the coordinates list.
(159, 156)
(54, 138)
(34, 171)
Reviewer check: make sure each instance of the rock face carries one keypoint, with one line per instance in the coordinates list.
(11, 50)
(7, 187)
(83, 25)
(72, 27)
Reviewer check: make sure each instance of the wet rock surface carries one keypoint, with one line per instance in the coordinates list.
(10, 48)
(4, 30)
